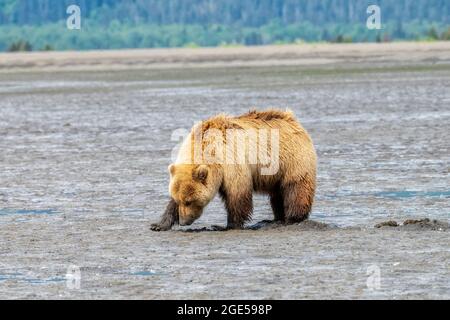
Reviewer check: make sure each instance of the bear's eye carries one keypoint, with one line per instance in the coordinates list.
(188, 203)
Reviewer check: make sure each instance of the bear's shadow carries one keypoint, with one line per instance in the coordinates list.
(269, 225)
(425, 224)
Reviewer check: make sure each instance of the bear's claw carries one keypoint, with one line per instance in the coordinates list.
(158, 227)
(155, 227)
(218, 228)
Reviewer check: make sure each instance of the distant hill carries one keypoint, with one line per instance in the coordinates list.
(39, 24)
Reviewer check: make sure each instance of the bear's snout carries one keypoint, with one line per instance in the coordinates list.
(186, 216)
(185, 222)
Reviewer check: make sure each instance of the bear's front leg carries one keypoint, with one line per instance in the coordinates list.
(168, 219)
(239, 207)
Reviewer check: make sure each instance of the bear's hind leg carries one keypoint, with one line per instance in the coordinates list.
(276, 202)
(298, 199)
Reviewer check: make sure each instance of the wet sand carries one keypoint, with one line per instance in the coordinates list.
(85, 154)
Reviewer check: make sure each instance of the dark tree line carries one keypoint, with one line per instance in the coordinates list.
(249, 13)
(112, 24)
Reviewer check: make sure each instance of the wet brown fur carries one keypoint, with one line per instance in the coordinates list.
(291, 189)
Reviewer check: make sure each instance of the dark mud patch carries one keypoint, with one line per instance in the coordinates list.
(416, 225)
(390, 223)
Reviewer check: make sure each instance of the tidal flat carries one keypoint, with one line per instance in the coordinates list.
(83, 174)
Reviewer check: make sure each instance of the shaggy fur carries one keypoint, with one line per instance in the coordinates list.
(291, 188)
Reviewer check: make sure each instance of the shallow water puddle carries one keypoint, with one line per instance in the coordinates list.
(144, 273)
(44, 281)
(23, 278)
(7, 212)
(391, 194)
(129, 211)
(413, 194)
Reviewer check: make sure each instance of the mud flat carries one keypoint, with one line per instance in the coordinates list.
(402, 53)
(85, 150)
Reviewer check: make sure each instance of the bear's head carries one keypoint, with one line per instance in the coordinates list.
(192, 187)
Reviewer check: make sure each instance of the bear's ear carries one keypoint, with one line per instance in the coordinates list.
(201, 173)
(171, 169)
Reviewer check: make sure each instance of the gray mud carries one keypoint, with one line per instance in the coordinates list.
(83, 175)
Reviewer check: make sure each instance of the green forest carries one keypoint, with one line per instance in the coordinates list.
(27, 25)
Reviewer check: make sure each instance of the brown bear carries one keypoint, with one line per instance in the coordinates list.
(233, 157)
